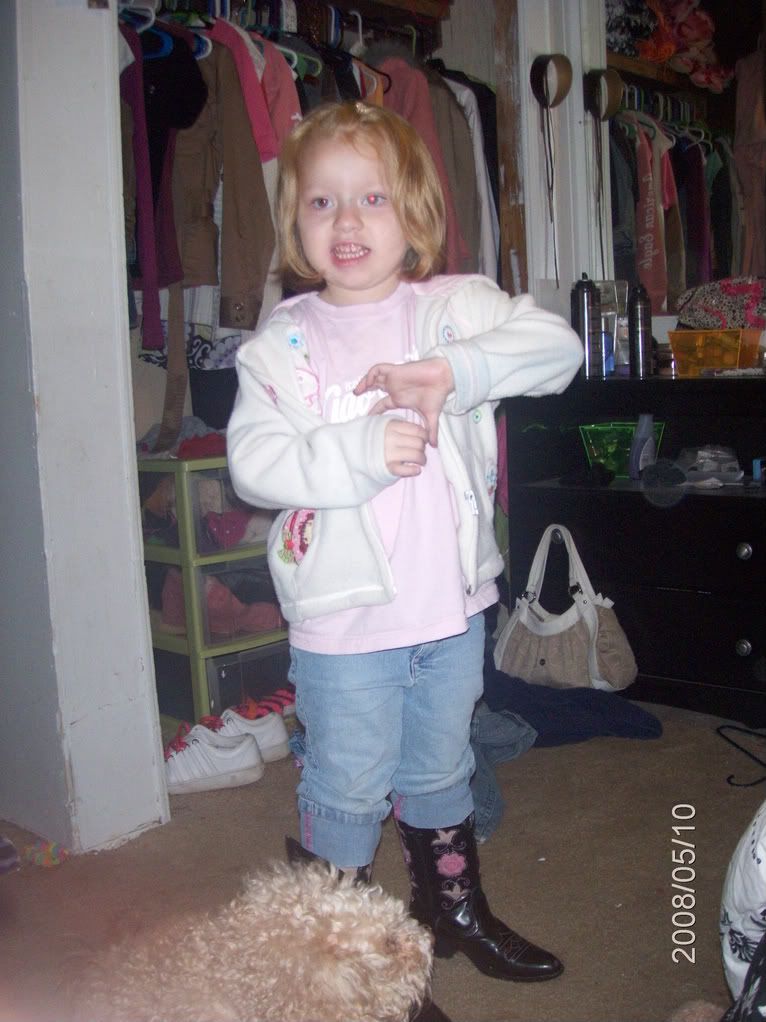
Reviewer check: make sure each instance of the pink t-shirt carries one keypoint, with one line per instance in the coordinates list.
(650, 234)
(416, 516)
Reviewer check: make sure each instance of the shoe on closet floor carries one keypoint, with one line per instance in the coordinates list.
(282, 701)
(199, 759)
(269, 731)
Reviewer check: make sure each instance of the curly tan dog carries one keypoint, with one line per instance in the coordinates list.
(298, 944)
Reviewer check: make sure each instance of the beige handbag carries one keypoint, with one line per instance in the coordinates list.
(583, 647)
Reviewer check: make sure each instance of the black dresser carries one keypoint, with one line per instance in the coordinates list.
(686, 568)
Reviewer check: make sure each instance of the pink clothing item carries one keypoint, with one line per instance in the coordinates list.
(410, 97)
(227, 528)
(415, 517)
(650, 241)
(226, 616)
(132, 89)
(279, 89)
(252, 90)
(664, 194)
(669, 192)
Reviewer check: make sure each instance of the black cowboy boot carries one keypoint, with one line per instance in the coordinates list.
(447, 896)
(297, 853)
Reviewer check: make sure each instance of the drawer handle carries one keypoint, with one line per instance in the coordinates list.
(744, 551)
(743, 647)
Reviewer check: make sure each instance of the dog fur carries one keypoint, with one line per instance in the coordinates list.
(298, 944)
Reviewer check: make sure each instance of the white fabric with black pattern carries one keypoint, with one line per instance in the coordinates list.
(743, 903)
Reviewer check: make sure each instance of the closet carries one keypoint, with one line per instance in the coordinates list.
(209, 92)
(699, 114)
(222, 91)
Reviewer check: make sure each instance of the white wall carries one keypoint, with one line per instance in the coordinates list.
(80, 750)
(468, 39)
(576, 29)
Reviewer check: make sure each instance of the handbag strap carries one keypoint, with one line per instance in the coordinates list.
(580, 589)
(579, 582)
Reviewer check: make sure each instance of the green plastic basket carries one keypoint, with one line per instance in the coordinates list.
(609, 444)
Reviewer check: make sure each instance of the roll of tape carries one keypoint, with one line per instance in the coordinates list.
(551, 79)
(602, 93)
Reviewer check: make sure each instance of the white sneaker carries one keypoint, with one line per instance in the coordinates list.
(202, 760)
(269, 731)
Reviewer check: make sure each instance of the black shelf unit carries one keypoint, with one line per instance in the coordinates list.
(686, 568)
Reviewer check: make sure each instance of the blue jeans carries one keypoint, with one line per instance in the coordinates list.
(385, 728)
(495, 738)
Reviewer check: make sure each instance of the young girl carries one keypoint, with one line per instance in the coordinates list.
(365, 414)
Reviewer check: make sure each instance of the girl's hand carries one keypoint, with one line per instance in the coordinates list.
(421, 386)
(404, 447)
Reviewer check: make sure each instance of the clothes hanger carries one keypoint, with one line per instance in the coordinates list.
(411, 29)
(370, 76)
(378, 74)
(630, 97)
(203, 45)
(290, 56)
(334, 26)
(138, 16)
(308, 65)
(358, 47)
(302, 63)
(165, 43)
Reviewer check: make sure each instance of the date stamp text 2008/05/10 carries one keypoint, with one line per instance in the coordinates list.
(683, 898)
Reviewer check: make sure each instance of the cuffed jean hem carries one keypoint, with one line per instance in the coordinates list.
(344, 839)
(435, 810)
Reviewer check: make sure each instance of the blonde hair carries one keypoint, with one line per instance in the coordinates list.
(416, 192)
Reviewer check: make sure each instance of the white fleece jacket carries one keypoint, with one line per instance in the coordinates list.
(282, 455)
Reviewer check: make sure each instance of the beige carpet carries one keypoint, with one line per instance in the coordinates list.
(581, 863)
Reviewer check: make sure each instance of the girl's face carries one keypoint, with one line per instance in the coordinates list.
(347, 225)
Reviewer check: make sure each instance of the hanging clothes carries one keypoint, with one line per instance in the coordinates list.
(486, 103)
(174, 95)
(142, 247)
(651, 262)
(201, 189)
(737, 223)
(457, 150)
(488, 222)
(409, 96)
(282, 100)
(625, 195)
(689, 169)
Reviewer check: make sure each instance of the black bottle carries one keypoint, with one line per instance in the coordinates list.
(585, 300)
(640, 332)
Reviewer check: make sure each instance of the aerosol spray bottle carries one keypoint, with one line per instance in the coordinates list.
(640, 332)
(586, 321)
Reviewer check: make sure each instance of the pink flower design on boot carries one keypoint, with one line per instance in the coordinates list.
(450, 865)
